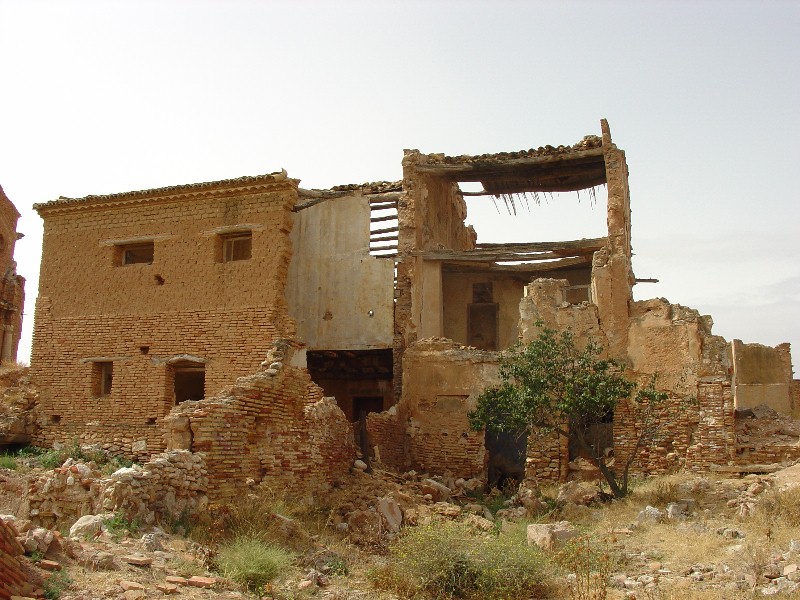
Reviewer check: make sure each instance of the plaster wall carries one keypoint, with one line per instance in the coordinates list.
(762, 375)
(334, 283)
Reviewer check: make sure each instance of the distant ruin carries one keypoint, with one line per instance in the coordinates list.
(222, 317)
(12, 286)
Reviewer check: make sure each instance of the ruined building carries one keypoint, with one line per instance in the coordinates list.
(12, 286)
(222, 317)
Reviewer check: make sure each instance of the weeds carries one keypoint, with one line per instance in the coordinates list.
(252, 563)
(449, 560)
(589, 564)
(56, 584)
(118, 526)
(8, 462)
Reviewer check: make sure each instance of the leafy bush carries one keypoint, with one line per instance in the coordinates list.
(252, 562)
(449, 560)
(118, 525)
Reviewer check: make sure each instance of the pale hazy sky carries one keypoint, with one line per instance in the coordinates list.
(110, 96)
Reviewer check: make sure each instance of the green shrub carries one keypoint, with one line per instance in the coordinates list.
(119, 525)
(450, 560)
(251, 562)
(56, 583)
(8, 462)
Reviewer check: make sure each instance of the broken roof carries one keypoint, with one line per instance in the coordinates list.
(545, 169)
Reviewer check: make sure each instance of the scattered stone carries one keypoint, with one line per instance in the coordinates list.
(650, 514)
(202, 582)
(551, 536)
(445, 509)
(152, 542)
(176, 580)
(134, 594)
(391, 513)
(49, 565)
(88, 526)
(130, 585)
(138, 560)
(438, 491)
(167, 588)
(578, 492)
(360, 465)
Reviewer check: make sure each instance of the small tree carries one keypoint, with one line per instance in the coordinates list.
(551, 385)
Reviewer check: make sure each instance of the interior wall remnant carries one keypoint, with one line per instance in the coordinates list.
(339, 295)
(762, 375)
(432, 414)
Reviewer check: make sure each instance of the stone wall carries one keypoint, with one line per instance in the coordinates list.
(274, 427)
(170, 486)
(187, 303)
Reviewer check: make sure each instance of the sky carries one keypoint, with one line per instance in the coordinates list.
(109, 96)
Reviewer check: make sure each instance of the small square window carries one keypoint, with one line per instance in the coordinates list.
(136, 254)
(102, 378)
(237, 246)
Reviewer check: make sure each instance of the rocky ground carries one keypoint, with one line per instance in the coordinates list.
(686, 535)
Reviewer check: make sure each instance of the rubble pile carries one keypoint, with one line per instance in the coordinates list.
(17, 406)
(765, 436)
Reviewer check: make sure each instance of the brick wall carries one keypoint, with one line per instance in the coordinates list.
(12, 578)
(142, 317)
(274, 428)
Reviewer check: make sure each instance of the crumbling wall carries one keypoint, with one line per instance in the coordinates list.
(188, 302)
(13, 581)
(12, 286)
(762, 375)
(170, 486)
(432, 413)
(273, 427)
(431, 215)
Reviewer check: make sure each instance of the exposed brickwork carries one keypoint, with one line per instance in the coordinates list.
(144, 317)
(272, 428)
(12, 577)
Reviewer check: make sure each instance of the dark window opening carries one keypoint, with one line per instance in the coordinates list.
(482, 293)
(135, 254)
(237, 246)
(358, 379)
(507, 451)
(55, 419)
(482, 326)
(102, 378)
(189, 383)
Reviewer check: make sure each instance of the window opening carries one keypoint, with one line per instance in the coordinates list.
(102, 378)
(237, 246)
(189, 382)
(135, 254)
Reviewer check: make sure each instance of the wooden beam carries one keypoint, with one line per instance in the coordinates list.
(382, 205)
(588, 244)
(386, 230)
(383, 238)
(386, 218)
(528, 268)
